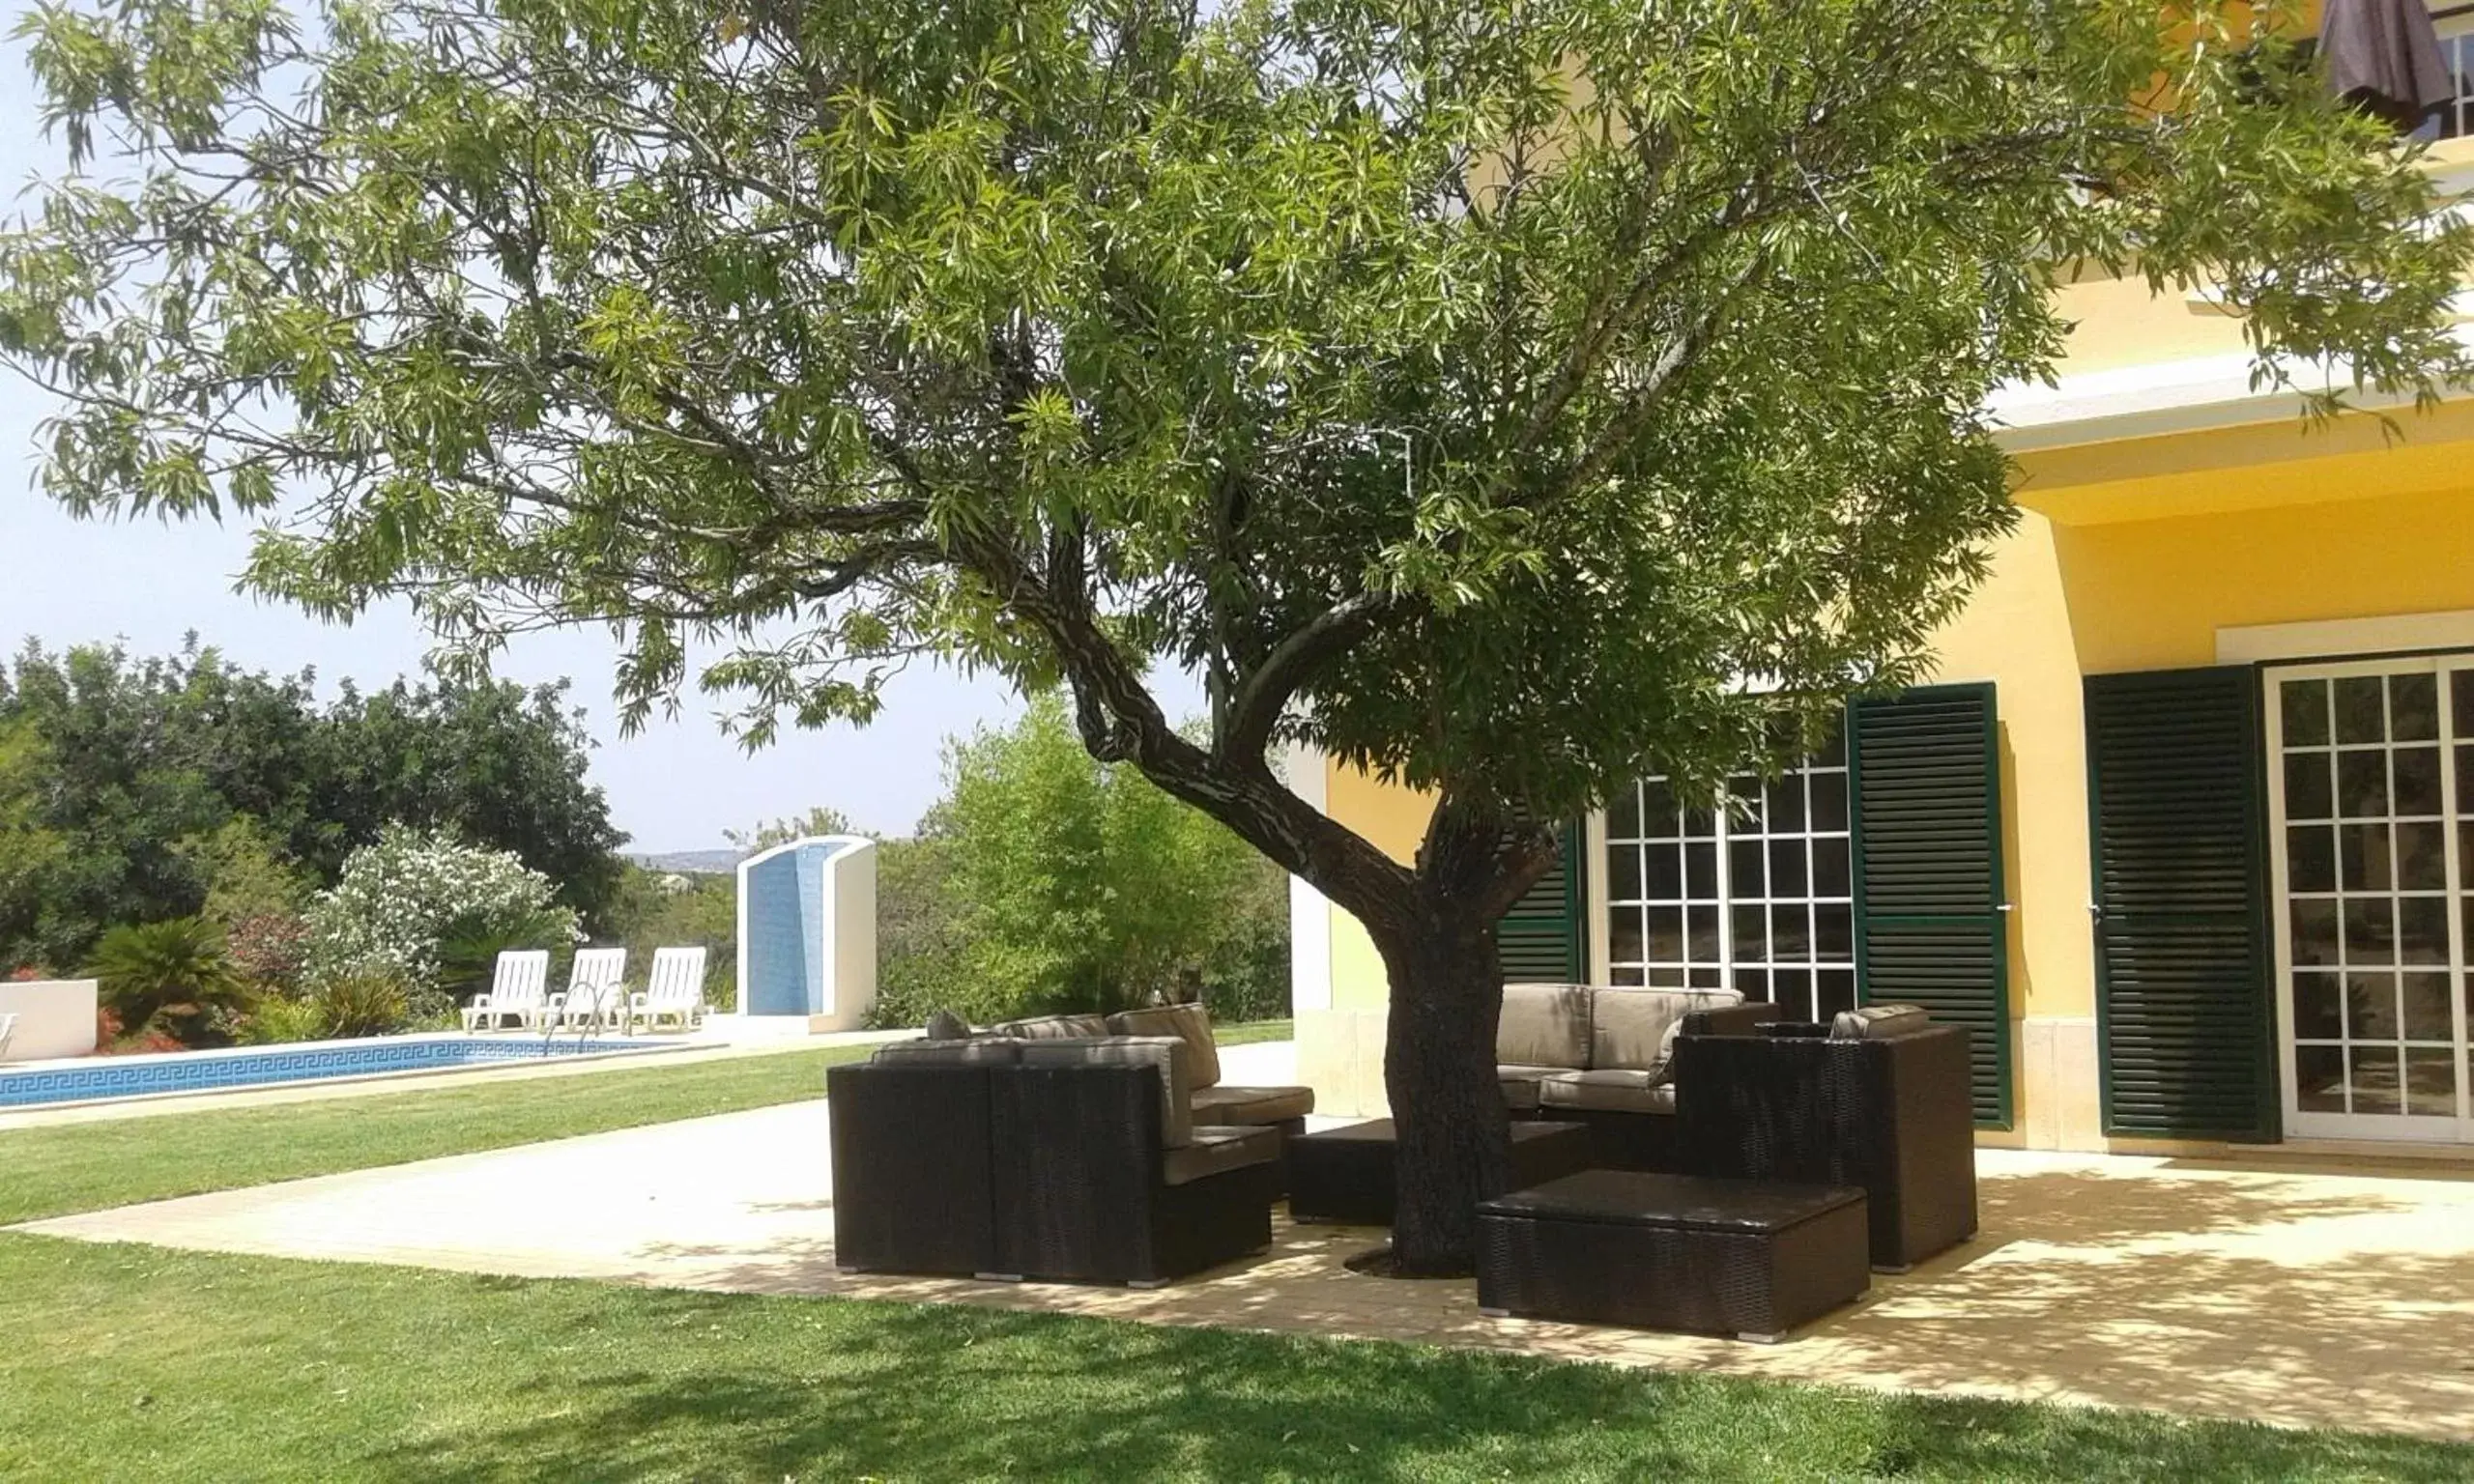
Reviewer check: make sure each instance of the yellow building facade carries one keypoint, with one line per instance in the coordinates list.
(2224, 671)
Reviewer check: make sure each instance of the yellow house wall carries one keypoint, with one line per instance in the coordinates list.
(2066, 601)
(2063, 601)
(1339, 1048)
(1394, 819)
(2117, 321)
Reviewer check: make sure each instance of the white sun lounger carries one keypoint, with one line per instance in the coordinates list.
(675, 991)
(519, 991)
(595, 994)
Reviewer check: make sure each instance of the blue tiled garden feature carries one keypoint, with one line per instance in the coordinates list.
(208, 1070)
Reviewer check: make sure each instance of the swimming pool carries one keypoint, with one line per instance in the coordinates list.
(89, 1080)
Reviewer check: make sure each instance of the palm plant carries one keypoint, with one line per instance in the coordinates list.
(170, 977)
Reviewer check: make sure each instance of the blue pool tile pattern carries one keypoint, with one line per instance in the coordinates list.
(209, 1071)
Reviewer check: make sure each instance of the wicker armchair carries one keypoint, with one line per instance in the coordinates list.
(913, 1189)
(1067, 1160)
(1090, 1188)
(1890, 1115)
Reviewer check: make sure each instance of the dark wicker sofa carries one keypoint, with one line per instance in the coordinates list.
(1574, 1053)
(1880, 1104)
(1072, 1160)
(1210, 1100)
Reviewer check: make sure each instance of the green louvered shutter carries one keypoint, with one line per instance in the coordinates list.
(1544, 938)
(2183, 981)
(1930, 928)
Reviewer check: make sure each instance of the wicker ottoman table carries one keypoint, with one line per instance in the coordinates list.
(1736, 1256)
(1344, 1176)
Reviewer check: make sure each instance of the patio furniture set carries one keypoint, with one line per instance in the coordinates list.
(596, 996)
(1680, 1160)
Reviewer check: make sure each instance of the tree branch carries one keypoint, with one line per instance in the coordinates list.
(1257, 707)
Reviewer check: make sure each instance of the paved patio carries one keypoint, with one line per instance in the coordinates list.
(2278, 1293)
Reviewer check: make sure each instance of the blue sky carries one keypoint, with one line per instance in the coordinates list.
(676, 786)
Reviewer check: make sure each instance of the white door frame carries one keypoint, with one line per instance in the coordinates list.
(2407, 1127)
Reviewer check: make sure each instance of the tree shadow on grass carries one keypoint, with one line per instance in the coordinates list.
(2235, 1292)
(940, 1392)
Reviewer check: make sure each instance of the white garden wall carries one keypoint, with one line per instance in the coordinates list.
(55, 1017)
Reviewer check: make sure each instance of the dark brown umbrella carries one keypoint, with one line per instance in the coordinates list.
(2383, 56)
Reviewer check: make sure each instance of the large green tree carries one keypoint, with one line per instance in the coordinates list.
(136, 791)
(1479, 390)
(501, 765)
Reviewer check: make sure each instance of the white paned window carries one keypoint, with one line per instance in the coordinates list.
(1756, 894)
(2456, 118)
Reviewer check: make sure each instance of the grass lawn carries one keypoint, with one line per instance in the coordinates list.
(61, 1168)
(135, 1362)
(72, 1167)
(153, 1365)
(1253, 1031)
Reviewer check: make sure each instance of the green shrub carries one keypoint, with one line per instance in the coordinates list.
(468, 955)
(1047, 881)
(269, 949)
(345, 1006)
(278, 1019)
(432, 913)
(668, 909)
(246, 872)
(367, 1002)
(170, 978)
(1245, 976)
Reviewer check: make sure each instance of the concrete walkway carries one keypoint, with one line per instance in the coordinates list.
(2268, 1292)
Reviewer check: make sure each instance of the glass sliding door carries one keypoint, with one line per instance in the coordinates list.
(2370, 768)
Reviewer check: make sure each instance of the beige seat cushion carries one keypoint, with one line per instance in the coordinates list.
(1634, 1030)
(1052, 1027)
(1251, 1104)
(1217, 1149)
(1189, 1024)
(1167, 1053)
(1876, 1022)
(977, 1051)
(1609, 1090)
(1520, 1085)
(1543, 1025)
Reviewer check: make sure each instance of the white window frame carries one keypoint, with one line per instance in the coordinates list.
(2400, 1127)
(2456, 28)
(1601, 904)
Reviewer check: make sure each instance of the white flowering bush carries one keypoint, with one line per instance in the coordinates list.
(426, 909)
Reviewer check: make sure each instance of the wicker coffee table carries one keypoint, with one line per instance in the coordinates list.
(1736, 1256)
(1345, 1176)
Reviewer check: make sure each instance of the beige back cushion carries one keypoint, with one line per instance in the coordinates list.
(1635, 1029)
(1543, 1025)
(1167, 1053)
(1879, 1022)
(1052, 1027)
(977, 1051)
(1189, 1024)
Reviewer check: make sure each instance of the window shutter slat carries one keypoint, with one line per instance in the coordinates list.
(2182, 980)
(1928, 870)
(1543, 939)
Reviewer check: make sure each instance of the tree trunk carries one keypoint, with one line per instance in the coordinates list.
(1439, 1072)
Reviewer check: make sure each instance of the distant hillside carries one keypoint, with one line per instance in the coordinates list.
(688, 862)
